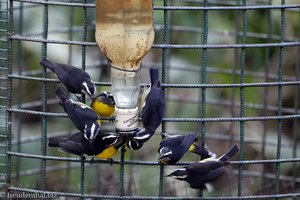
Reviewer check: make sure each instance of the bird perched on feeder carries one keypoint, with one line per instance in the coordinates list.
(104, 146)
(173, 148)
(83, 117)
(74, 79)
(205, 171)
(103, 104)
(152, 113)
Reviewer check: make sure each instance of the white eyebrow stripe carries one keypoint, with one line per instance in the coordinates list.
(168, 153)
(142, 137)
(86, 87)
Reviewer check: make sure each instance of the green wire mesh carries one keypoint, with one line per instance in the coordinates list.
(230, 70)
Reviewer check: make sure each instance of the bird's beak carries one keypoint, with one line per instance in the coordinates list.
(160, 156)
(92, 96)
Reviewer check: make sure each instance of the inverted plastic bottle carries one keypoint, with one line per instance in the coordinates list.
(124, 33)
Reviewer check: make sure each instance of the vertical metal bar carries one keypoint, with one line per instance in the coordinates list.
(122, 169)
(280, 72)
(82, 172)
(242, 100)
(44, 102)
(203, 74)
(83, 64)
(5, 142)
(266, 93)
(164, 78)
(70, 56)
(295, 121)
(203, 79)
(9, 94)
(234, 69)
(20, 94)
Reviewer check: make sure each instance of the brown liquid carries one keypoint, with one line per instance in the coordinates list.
(124, 31)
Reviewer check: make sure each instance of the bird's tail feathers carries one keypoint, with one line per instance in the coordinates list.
(47, 63)
(54, 141)
(230, 153)
(202, 151)
(153, 75)
(61, 94)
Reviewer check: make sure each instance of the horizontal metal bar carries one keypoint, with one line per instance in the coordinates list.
(138, 162)
(31, 78)
(33, 112)
(210, 136)
(221, 8)
(174, 28)
(225, 46)
(235, 85)
(232, 119)
(164, 46)
(92, 5)
(248, 173)
(271, 196)
(169, 119)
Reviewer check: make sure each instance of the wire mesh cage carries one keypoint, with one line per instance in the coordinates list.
(230, 71)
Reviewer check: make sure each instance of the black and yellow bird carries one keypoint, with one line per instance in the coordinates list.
(152, 113)
(104, 104)
(83, 117)
(74, 79)
(173, 148)
(205, 171)
(104, 146)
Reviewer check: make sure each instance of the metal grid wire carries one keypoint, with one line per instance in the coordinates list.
(230, 70)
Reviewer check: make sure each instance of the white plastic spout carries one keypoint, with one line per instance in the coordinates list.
(126, 119)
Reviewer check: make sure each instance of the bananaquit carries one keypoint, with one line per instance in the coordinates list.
(74, 79)
(173, 148)
(104, 146)
(205, 171)
(104, 104)
(152, 113)
(82, 116)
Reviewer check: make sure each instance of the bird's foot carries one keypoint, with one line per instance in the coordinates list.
(110, 160)
(92, 160)
(82, 157)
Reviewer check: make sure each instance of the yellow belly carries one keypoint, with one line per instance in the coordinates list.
(107, 153)
(102, 109)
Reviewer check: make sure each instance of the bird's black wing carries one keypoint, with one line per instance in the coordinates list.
(204, 167)
(75, 78)
(234, 149)
(85, 113)
(75, 148)
(199, 180)
(171, 141)
(188, 140)
(60, 70)
(153, 110)
(55, 141)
